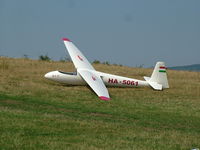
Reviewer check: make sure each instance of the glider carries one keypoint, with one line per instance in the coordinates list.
(87, 75)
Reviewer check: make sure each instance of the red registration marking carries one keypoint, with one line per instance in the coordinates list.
(114, 81)
(93, 78)
(126, 82)
(80, 58)
(129, 82)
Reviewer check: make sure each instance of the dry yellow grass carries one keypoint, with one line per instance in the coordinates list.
(26, 77)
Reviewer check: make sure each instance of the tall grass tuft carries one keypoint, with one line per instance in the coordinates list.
(4, 64)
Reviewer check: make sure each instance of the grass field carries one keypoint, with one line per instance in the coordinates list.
(39, 114)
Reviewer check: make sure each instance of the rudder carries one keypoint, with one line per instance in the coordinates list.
(159, 75)
(158, 79)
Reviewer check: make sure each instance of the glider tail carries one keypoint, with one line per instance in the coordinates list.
(158, 79)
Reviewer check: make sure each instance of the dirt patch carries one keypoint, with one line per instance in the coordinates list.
(9, 101)
(100, 114)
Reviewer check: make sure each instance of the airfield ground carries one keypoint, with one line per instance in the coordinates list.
(40, 114)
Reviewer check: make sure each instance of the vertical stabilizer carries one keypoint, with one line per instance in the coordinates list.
(159, 75)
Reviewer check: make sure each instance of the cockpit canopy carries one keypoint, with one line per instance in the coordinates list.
(68, 73)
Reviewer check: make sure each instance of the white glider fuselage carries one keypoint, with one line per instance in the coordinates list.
(108, 79)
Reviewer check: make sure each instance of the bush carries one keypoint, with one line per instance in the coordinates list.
(44, 58)
(96, 62)
(106, 63)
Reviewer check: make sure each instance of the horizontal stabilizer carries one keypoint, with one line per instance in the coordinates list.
(154, 85)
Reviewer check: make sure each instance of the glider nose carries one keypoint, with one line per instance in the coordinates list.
(48, 75)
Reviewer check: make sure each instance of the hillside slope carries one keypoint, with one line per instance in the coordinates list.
(40, 114)
(195, 67)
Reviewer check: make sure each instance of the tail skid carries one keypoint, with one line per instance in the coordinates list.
(158, 79)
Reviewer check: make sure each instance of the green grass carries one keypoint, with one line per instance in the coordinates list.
(39, 114)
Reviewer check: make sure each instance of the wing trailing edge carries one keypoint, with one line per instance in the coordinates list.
(95, 82)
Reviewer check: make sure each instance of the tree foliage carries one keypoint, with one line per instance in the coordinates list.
(44, 58)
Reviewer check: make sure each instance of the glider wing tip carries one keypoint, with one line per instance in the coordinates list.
(104, 98)
(66, 39)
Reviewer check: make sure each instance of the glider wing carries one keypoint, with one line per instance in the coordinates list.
(77, 57)
(95, 82)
